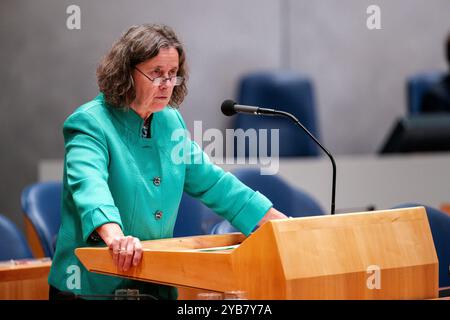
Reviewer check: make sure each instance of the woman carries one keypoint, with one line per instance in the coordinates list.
(121, 183)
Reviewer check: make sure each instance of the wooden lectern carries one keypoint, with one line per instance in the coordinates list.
(386, 254)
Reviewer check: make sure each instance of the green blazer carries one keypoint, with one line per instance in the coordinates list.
(113, 174)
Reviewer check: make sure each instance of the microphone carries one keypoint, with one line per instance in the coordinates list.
(229, 108)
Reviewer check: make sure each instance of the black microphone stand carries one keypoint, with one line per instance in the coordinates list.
(273, 112)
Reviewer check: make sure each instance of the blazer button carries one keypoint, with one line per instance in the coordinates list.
(158, 215)
(156, 181)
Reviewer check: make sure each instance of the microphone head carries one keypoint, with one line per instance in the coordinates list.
(228, 107)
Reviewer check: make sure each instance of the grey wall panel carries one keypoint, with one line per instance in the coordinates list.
(360, 73)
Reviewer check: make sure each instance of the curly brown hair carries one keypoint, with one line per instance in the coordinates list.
(138, 44)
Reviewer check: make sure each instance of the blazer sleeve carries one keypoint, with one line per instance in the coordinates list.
(86, 165)
(222, 191)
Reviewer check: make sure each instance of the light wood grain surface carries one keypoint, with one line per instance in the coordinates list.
(324, 257)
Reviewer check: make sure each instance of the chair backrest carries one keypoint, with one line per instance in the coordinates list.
(287, 91)
(417, 85)
(41, 203)
(289, 200)
(440, 229)
(285, 198)
(194, 218)
(12, 242)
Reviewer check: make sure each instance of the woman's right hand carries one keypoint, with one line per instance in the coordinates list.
(127, 250)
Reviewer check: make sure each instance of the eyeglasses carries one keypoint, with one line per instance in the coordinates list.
(174, 81)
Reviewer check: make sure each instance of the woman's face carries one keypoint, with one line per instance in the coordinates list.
(148, 96)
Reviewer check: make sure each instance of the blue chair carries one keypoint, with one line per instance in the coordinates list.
(417, 85)
(440, 229)
(194, 218)
(12, 242)
(287, 91)
(285, 198)
(41, 204)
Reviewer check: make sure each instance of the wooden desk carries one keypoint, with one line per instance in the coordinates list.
(24, 280)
